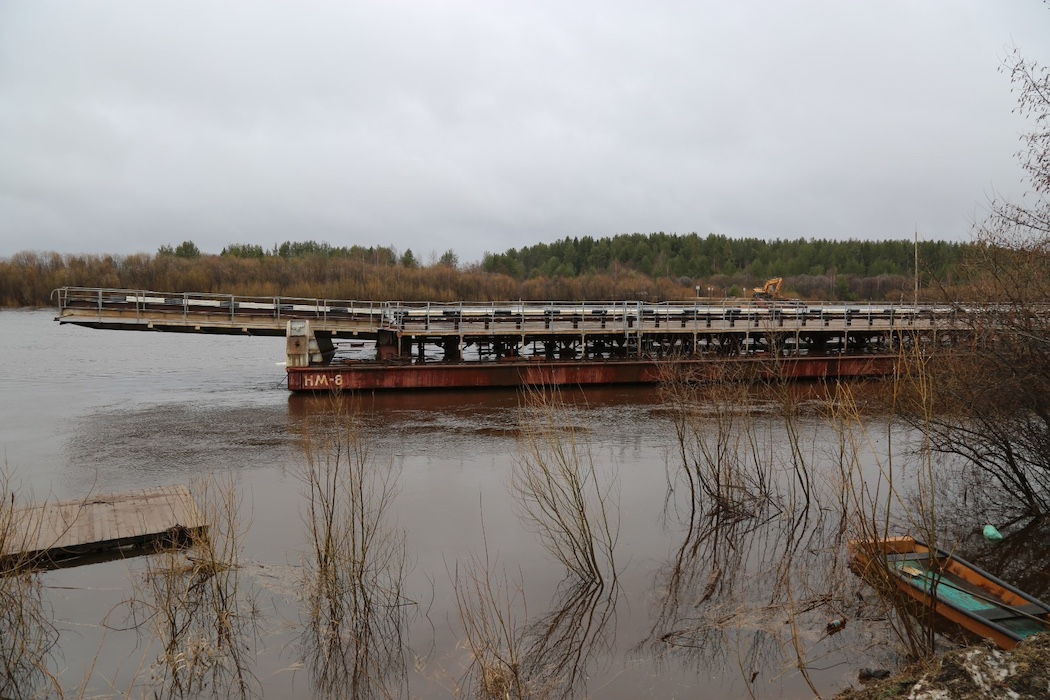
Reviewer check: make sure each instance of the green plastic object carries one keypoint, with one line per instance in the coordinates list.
(991, 534)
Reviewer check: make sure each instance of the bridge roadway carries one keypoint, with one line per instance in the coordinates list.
(560, 329)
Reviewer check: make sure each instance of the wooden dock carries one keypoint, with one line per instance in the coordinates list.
(52, 534)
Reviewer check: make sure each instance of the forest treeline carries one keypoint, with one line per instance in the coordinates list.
(667, 255)
(652, 267)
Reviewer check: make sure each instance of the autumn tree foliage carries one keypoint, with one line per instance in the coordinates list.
(28, 278)
(631, 267)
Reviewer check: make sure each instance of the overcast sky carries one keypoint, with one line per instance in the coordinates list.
(480, 126)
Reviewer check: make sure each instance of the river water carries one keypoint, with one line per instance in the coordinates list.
(692, 611)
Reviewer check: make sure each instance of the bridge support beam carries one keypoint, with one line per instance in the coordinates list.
(303, 348)
(452, 347)
(388, 346)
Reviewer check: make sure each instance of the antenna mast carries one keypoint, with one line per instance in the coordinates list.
(916, 302)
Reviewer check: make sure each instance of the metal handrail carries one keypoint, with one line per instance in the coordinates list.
(587, 316)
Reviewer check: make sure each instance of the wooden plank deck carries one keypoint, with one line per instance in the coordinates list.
(47, 534)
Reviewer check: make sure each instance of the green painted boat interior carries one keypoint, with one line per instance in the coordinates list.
(952, 592)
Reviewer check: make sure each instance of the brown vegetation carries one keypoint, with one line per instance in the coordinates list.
(560, 491)
(760, 571)
(27, 279)
(567, 502)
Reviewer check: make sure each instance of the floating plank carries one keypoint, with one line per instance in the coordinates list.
(48, 534)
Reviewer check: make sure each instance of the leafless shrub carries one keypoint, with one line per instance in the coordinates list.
(353, 580)
(571, 505)
(763, 525)
(562, 495)
(492, 618)
(877, 505)
(561, 644)
(723, 460)
(514, 656)
(992, 390)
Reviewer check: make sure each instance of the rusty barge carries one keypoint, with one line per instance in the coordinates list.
(420, 345)
(366, 376)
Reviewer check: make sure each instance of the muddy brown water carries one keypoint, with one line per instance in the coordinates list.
(696, 610)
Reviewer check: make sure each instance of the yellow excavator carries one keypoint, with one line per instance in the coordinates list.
(769, 290)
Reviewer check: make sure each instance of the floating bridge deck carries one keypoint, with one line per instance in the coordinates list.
(420, 345)
(55, 533)
(405, 326)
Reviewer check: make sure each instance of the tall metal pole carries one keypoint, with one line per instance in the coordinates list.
(916, 266)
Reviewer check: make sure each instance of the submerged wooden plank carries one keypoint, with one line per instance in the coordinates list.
(53, 530)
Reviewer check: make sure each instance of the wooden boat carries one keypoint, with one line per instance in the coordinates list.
(953, 588)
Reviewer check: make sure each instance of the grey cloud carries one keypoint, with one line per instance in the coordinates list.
(480, 126)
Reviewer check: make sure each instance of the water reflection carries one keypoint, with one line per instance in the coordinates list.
(27, 638)
(552, 656)
(736, 595)
(572, 506)
(758, 573)
(1019, 558)
(475, 402)
(561, 494)
(353, 580)
(562, 645)
(722, 588)
(27, 633)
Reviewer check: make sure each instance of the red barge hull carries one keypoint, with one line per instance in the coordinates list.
(376, 376)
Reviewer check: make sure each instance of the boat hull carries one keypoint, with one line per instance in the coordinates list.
(953, 588)
(375, 376)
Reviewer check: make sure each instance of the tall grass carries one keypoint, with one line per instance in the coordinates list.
(199, 613)
(27, 632)
(356, 610)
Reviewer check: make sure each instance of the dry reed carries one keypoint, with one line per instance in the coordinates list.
(888, 500)
(27, 632)
(195, 605)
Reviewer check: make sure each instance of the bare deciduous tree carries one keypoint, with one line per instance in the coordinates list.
(994, 390)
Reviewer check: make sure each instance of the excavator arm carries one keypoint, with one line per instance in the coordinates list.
(770, 290)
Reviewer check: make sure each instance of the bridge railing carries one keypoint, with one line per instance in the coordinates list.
(500, 316)
(143, 304)
(635, 315)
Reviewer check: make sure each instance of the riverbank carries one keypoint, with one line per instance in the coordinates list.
(981, 672)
